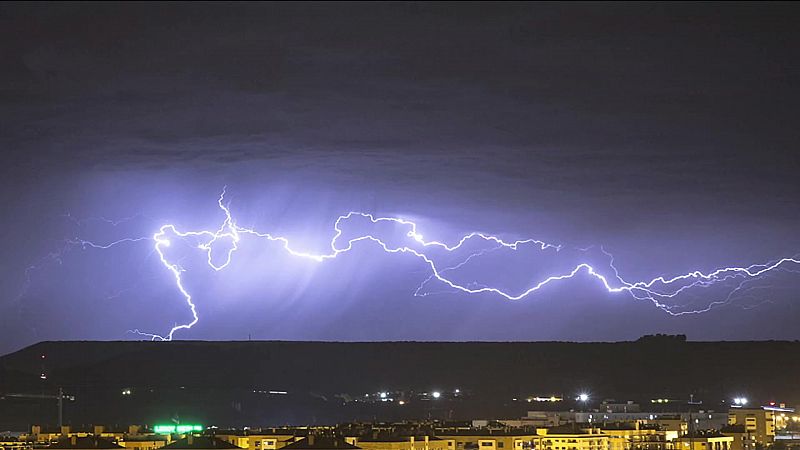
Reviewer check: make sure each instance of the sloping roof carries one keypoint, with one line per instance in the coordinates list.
(321, 443)
(87, 442)
(200, 442)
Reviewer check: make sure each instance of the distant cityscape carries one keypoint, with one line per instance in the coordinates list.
(307, 396)
(604, 426)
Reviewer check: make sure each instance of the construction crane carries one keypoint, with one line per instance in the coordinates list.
(59, 397)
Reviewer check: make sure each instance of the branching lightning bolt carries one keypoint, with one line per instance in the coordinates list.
(657, 290)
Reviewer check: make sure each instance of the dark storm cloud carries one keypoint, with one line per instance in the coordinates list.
(625, 123)
(592, 88)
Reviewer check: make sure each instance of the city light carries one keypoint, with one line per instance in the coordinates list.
(740, 401)
(583, 397)
(437, 394)
(169, 429)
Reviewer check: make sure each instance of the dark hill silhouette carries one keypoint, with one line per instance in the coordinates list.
(214, 381)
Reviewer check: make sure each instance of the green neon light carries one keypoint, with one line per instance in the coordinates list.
(180, 429)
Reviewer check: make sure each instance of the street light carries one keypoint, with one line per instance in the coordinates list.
(583, 397)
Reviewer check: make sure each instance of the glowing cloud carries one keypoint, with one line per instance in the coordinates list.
(657, 290)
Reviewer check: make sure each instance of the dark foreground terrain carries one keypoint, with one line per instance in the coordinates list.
(228, 383)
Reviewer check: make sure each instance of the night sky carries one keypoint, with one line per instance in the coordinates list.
(665, 133)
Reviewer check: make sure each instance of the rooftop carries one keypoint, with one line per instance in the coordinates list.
(395, 438)
(200, 442)
(320, 442)
(570, 428)
(146, 438)
(485, 432)
(702, 434)
(87, 442)
(276, 432)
